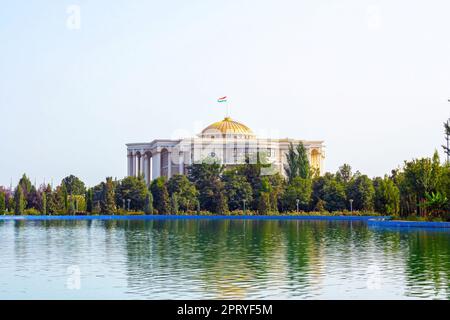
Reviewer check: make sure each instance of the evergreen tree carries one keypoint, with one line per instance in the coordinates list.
(25, 185)
(292, 163)
(108, 204)
(89, 200)
(277, 184)
(134, 189)
(185, 191)
(304, 171)
(447, 137)
(207, 179)
(71, 202)
(297, 162)
(2, 202)
(387, 196)
(333, 194)
(362, 191)
(19, 200)
(298, 189)
(148, 207)
(238, 190)
(174, 203)
(344, 174)
(65, 197)
(73, 185)
(160, 194)
(44, 202)
(264, 203)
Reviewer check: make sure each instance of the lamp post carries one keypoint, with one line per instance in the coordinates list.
(244, 204)
(447, 137)
(351, 205)
(297, 201)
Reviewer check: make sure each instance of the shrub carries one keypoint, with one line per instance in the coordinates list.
(31, 212)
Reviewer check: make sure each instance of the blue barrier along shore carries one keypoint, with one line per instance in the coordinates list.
(189, 217)
(379, 222)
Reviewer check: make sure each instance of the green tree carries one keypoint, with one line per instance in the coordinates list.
(334, 195)
(148, 206)
(25, 185)
(362, 191)
(134, 189)
(291, 169)
(174, 203)
(185, 191)
(298, 189)
(447, 137)
(278, 185)
(2, 202)
(387, 196)
(264, 200)
(89, 200)
(44, 202)
(238, 190)
(19, 200)
(344, 174)
(71, 206)
(74, 185)
(422, 176)
(329, 193)
(65, 196)
(264, 203)
(254, 169)
(207, 179)
(161, 201)
(444, 185)
(297, 162)
(108, 204)
(436, 203)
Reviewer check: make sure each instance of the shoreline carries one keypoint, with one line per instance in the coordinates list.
(382, 223)
(192, 217)
(372, 221)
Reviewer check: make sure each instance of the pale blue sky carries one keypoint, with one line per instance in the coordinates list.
(371, 78)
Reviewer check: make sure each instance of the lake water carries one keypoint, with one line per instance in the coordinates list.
(243, 259)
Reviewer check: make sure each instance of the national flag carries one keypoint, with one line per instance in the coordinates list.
(223, 99)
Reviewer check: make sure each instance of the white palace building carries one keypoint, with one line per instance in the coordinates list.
(227, 142)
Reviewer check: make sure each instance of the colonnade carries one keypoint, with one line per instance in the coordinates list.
(153, 164)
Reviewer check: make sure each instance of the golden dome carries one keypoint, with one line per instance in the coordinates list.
(227, 127)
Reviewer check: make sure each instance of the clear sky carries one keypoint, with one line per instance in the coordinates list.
(370, 78)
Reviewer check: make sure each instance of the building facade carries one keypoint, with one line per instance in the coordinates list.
(227, 142)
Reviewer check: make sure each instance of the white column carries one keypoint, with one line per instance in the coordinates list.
(133, 164)
(145, 167)
(139, 170)
(180, 163)
(146, 160)
(128, 164)
(156, 165)
(169, 164)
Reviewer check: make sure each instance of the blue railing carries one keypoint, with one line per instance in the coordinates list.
(189, 217)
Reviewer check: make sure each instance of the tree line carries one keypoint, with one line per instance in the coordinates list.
(420, 188)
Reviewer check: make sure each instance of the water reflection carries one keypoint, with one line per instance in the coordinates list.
(222, 259)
